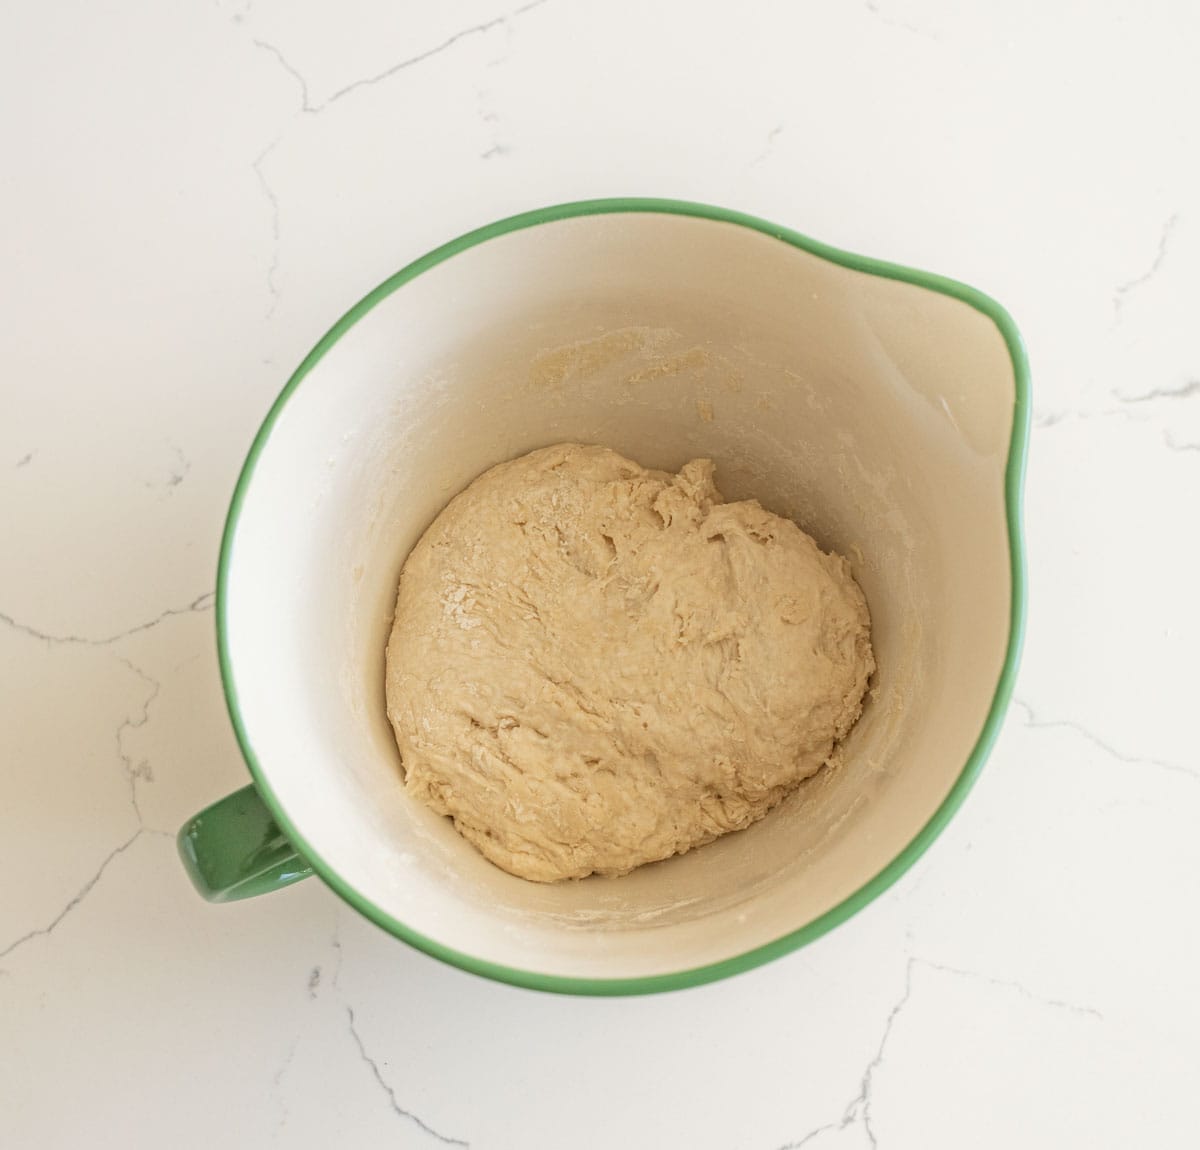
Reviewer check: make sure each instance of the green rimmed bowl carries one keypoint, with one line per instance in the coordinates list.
(884, 409)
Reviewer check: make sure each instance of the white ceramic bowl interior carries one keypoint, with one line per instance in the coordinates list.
(876, 413)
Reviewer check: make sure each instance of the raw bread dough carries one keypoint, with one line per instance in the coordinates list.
(594, 666)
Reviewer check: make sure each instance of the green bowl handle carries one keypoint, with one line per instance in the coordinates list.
(235, 849)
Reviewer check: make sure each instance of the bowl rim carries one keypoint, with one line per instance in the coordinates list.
(874, 886)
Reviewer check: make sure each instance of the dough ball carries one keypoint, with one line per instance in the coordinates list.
(594, 666)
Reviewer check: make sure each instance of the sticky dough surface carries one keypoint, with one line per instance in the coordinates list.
(594, 666)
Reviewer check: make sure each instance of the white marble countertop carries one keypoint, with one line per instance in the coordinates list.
(193, 193)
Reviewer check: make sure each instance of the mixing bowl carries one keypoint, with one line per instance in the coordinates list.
(883, 409)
